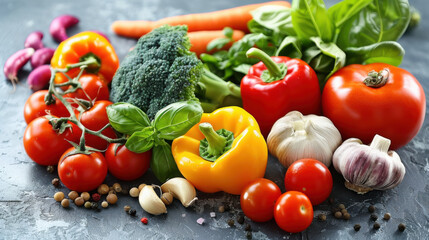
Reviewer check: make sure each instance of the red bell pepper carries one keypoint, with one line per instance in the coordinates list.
(278, 85)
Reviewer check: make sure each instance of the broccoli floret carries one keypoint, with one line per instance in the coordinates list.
(161, 70)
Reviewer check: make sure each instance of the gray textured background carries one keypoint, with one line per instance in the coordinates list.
(27, 208)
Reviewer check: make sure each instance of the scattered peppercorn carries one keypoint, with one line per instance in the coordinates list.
(103, 189)
(111, 192)
(240, 219)
(248, 227)
(87, 204)
(227, 208)
(249, 235)
(344, 211)
(346, 216)
(59, 196)
(117, 187)
(96, 197)
(401, 227)
(127, 208)
(331, 200)
(79, 201)
(132, 212)
(141, 186)
(94, 205)
(73, 195)
(112, 198)
(371, 209)
(104, 204)
(374, 217)
(124, 191)
(338, 215)
(341, 206)
(357, 227)
(50, 169)
(56, 182)
(376, 226)
(144, 220)
(321, 217)
(231, 222)
(85, 196)
(134, 192)
(221, 209)
(387, 216)
(65, 203)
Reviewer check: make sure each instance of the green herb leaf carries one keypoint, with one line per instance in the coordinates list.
(141, 141)
(346, 9)
(310, 19)
(217, 43)
(275, 18)
(291, 47)
(243, 68)
(228, 32)
(386, 52)
(162, 163)
(381, 20)
(127, 118)
(176, 119)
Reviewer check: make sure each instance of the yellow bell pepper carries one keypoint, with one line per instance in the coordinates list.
(234, 162)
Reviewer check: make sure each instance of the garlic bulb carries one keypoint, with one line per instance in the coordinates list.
(296, 136)
(368, 167)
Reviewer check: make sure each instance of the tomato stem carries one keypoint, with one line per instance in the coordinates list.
(377, 79)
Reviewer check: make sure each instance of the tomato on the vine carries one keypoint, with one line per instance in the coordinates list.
(35, 107)
(390, 102)
(258, 198)
(81, 172)
(95, 119)
(126, 165)
(44, 145)
(310, 177)
(293, 212)
(94, 87)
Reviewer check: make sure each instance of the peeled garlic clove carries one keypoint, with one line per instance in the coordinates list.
(368, 167)
(181, 189)
(296, 136)
(150, 201)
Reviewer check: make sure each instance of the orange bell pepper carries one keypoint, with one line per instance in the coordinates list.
(86, 46)
(234, 160)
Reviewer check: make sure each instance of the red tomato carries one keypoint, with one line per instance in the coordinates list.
(44, 145)
(310, 177)
(95, 119)
(126, 165)
(35, 107)
(81, 172)
(395, 110)
(258, 198)
(293, 212)
(93, 86)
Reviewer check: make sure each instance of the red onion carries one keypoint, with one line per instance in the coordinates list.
(34, 40)
(15, 62)
(60, 24)
(39, 78)
(41, 56)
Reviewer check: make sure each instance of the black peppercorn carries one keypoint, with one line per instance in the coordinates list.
(231, 222)
(401, 227)
(387, 216)
(56, 182)
(248, 227)
(249, 235)
(50, 169)
(371, 209)
(357, 227)
(374, 217)
(94, 205)
(240, 219)
(132, 212)
(376, 226)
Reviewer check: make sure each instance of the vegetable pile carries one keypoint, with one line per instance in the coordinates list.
(202, 105)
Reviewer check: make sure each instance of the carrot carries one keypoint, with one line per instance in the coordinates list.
(200, 39)
(235, 18)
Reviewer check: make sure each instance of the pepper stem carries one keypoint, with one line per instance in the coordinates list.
(377, 79)
(275, 71)
(216, 142)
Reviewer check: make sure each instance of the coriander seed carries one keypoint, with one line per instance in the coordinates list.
(112, 198)
(87, 204)
(134, 192)
(59, 196)
(65, 203)
(104, 204)
(141, 186)
(79, 201)
(341, 206)
(103, 189)
(221, 209)
(321, 217)
(117, 187)
(73, 195)
(343, 211)
(338, 215)
(346, 216)
(85, 196)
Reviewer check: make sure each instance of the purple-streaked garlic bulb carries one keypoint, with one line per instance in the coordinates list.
(367, 168)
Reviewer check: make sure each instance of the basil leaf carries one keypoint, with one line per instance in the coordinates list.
(243, 68)
(228, 32)
(217, 43)
(162, 163)
(176, 119)
(141, 141)
(275, 18)
(346, 9)
(381, 20)
(386, 52)
(291, 47)
(127, 118)
(310, 19)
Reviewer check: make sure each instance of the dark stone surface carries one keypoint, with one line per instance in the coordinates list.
(27, 208)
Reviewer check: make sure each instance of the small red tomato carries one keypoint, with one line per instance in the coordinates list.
(310, 177)
(81, 172)
(44, 145)
(293, 212)
(126, 165)
(93, 87)
(35, 107)
(95, 119)
(258, 198)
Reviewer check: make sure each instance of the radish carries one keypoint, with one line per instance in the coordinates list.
(41, 56)
(34, 40)
(39, 78)
(60, 24)
(15, 62)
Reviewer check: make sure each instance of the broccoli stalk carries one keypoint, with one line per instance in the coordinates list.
(213, 92)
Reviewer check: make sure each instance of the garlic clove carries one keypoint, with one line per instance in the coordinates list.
(150, 201)
(181, 189)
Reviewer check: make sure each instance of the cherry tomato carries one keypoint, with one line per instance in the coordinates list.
(95, 119)
(258, 198)
(310, 177)
(293, 212)
(395, 110)
(44, 145)
(93, 86)
(35, 107)
(126, 165)
(81, 172)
